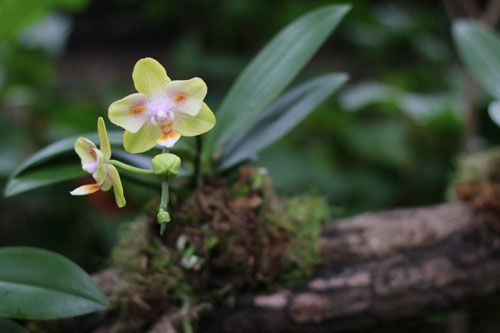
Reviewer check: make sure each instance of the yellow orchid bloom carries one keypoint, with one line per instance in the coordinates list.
(162, 110)
(95, 161)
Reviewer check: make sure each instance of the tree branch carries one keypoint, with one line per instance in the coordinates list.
(382, 267)
(376, 269)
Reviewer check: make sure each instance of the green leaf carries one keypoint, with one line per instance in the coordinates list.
(15, 15)
(270, 72)
(479, 49)
(494, 112)
(61, 147)
(49, 166)
(39, 284)
(43, 177)
(9, 326)
(280, 118)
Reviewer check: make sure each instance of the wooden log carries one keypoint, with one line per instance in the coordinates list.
(383, 267)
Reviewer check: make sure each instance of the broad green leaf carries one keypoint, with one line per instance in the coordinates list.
(63, 146)
(9, 326)
(270, 72)
(58, 162)
(43, 177)
(66, 145)
(39, 284)
(46, 168)
(479, 49)
(280, 118)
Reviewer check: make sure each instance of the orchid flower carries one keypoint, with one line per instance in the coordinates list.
(162, 110)
(95, 161)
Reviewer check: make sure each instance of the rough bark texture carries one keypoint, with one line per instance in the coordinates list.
(383, 267)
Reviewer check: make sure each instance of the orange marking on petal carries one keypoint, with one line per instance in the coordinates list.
(163, 137)
(168, 135)
(172, 134)
(166, 127)
(93, 153)
(179, 97)
(138, 108)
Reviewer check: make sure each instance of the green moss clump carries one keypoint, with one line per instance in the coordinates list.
(477, 182)
(303, 218)
(223, 238)
(480, 168)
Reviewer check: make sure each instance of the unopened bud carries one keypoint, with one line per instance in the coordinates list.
(163, 216)
(166, 165)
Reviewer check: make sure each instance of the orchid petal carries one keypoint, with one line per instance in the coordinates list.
(103, 138)
(130, 112)
(187, 96)
(150, 77)
(106, 185)
(101, 172)
(114, 176)
(85, 189)
(143, 140)
(85, 150)
(190, 126)
(168, 139)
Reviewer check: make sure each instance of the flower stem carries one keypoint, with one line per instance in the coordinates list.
(131, 168)
(164, 201)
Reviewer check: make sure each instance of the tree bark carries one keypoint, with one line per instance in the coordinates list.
(382, 267)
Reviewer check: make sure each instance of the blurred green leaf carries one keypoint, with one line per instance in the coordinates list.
(272, 70)
(61, 147)
(15, 14)
(40, 169)
(383, 142)
(9, 326)
(280, 118)
(364, 94)
(494, 112)
(479, 49)
(48, 166)
(39, 284)
(42, 177)
(419, 107)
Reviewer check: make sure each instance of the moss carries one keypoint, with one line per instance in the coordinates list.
(150, 282)
(482, 168)
(223, 238)
(477, 182)
(304, 216)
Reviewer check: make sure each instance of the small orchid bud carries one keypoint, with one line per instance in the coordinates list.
(163, 216)
(166, 165)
